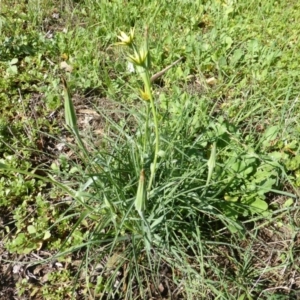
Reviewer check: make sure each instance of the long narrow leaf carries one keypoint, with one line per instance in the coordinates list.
(141, 196)
(70, 116)
(211, 163)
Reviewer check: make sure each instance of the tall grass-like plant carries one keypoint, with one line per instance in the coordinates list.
(141, 61)
(145, 223)
(188, 188)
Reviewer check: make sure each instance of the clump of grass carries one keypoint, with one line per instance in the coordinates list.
(189, 179)
(149, 199)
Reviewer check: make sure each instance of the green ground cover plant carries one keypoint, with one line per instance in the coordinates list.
(119, 181)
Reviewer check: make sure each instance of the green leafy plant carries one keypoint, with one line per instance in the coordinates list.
(141, 62)
(137, 215)
(212, 174)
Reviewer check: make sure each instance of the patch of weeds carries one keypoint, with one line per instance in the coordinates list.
(177, 177)
(51, 288)
(24, 56)
(14, 188)
(156, 193)
(37, 227)
(4, 131)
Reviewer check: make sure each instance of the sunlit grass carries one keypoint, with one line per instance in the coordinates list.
(182, 185)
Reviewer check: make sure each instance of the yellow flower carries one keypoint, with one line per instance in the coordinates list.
(125, 39)
(139, 58)
(145, 96)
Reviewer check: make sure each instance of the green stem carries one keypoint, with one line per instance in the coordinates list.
(143, 67)
(146, 133)
(153, 169)
(147, 82)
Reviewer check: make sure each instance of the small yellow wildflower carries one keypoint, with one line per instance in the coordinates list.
(145, 96)
(125, 39)
(138, 58)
